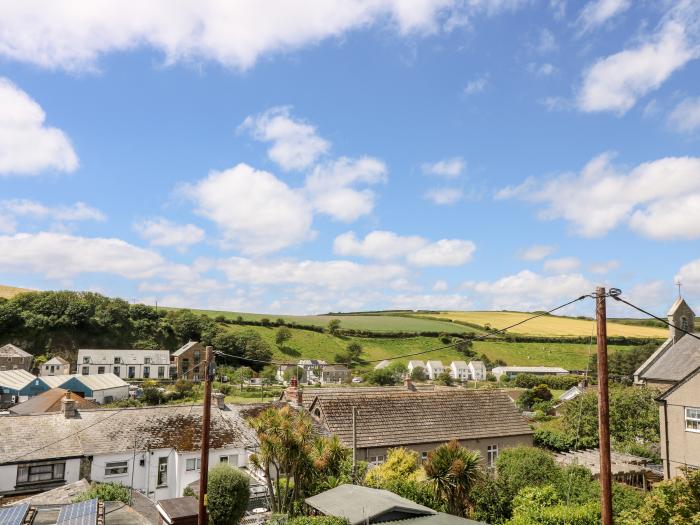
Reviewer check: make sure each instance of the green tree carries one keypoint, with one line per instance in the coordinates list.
(282, 335)
(334, 326)
(419, 374)
(400, 463)
(453, 470)
(543, 506)
(444, 378)
(465, 347)
(241, 375)
(106, 492)
(519, 467)
(228, 492)
(534, 395)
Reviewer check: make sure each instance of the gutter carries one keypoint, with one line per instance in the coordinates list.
(666, 441)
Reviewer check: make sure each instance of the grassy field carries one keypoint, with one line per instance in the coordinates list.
(8, 292)
(550, 325)
(375, 323)
(312, 345)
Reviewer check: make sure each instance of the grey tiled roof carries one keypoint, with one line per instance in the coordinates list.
(115, 430)
(401, 418)
(311, 393)
(10, 350)
(674, 363)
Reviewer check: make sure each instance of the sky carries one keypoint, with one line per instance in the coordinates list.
(333, 155)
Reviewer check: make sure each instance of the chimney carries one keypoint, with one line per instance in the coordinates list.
(217, 399)
(300, 397)
(68, 407)
(293, 382)
(408, 383)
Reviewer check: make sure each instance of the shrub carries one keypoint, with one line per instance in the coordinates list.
(317, 520)
(419, 374)
(106, 492)
(189, 491)
(228, 492)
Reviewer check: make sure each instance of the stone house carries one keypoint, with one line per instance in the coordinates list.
(187, 359)
(14, 358)
(335, 374)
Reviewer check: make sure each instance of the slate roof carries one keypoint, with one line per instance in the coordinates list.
(360, 504)
(416, 362)
(50, 401)
(102, 356)
(680, 383)
(56, 360)
(10, 350)
(435, 364)
(674, 361)
(459, 365)
(387, 418)
(311, 393)
(101, 431)
(15, 379)
(184, 348)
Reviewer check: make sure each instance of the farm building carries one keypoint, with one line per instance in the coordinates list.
(14, 358)
(420, 420)
(127, 364)
(103, 388)
(56, 366)
(19, 385)
(512, 371)
(50, 401)
(129, 445)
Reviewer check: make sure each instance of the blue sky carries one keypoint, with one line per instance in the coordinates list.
(314, 156)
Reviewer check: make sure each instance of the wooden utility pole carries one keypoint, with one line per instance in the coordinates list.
(202, 518)
(603, 409)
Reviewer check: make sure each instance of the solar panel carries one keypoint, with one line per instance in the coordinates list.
(13, 515)
(83, 513)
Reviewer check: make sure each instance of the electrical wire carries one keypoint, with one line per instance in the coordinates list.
(642, 310)
(421, 352)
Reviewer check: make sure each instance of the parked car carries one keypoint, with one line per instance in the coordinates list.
(357, 380)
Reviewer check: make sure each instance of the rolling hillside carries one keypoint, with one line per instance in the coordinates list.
(7, 292)
(551, 325)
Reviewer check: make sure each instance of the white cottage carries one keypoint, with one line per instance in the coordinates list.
(415, 364)
(155, 448)
(434, 369)
(127, 364)
(56, 366)
(477, 370)
(459, 371)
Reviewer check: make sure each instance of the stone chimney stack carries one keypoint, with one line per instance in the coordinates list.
(68, 407)
(218, 400)
(408, 383)
(300, 397)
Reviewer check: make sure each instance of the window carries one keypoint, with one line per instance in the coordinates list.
(424, 456)
(223, 459)
(684, 323)
(192, 464)
(116, 370)
(146, 372)
(117, 360)
(163, 472)
(40, 472)
(100, 369)
(375, 460)
(692, 419)
(231, 460)
(86, 360)
(185, 366)
(85, 371)
(197, 356)
(132, 372)
(491, 455)
(161, 372)
(116, 468)
(146, 360)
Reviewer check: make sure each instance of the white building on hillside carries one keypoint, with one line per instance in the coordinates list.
(512, 371)
(56, 366)
(459, 371)
(155, 448)
(477, 371)
(434, 369)
(127, 364)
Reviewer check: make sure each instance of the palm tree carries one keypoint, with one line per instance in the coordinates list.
(453, 470)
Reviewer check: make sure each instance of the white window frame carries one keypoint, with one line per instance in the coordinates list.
(116, 468)
(491, 455)
(692, 419)
(193, 461)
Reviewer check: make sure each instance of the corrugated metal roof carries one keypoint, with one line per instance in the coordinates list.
(55, 381)
(531, 369)
(101, 381)
(15, 379)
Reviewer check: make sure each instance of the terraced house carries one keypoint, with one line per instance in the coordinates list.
(14, 358)
(127, 364)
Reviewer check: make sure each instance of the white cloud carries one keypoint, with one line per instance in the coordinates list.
(597, 12)
(27, 146)
(685, 117)
(562, 265)
(477, 85)
(332, 186)
(255, 211)
(320, 274)
(57, 256)
(689, 276)
(295, 144)
(418, 251)
(529, 291)
(604, 267)
(448, 168)
(536, 252)
(13, 209)
(658, 199)
(445, 252)
(444, 195)
(440, 286)
(235, 34)
(162, 232)
(616, 82)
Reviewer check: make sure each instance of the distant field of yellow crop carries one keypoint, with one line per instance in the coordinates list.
(549, 325)
(8, 292)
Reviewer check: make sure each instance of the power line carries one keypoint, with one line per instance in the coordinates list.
(421, 352)
(642, 310)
